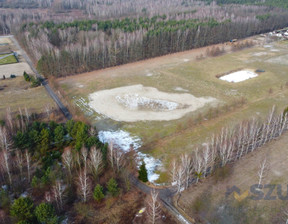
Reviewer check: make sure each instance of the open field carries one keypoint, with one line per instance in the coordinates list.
(183, 73)
(208, 201)
(7, 60)
(16, 93)
(8, 65)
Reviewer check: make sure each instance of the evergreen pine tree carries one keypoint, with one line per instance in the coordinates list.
(98, 193)
(112, 187)
(143, 175)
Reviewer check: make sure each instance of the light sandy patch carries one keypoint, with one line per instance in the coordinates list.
(16, 69)
(149, 74)
(139, 103)
(239, 76)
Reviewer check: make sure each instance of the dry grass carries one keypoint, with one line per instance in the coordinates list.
(206, 199)
(16, 93)
(167, 139)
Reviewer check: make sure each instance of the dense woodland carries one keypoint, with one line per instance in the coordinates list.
(68, 48)
(50, 169)
(79, 36)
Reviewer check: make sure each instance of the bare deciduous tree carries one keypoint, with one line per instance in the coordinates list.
(5, 163)
(263, 167)
(84, 185)
(153, 207)
(67, 160)
(28, 164)
(58, 193)
(95, 161)
(19, 162)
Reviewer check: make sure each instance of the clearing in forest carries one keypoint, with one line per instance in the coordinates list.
(183, 73)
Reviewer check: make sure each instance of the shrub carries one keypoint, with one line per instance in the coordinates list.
(26, 77)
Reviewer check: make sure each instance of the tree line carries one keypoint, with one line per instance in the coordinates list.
(228, 146)
(69, 48)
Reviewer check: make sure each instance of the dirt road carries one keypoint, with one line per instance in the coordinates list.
(64, 109)
(165, 195)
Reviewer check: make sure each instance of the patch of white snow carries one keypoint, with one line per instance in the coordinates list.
(239, 76)
(124, 141)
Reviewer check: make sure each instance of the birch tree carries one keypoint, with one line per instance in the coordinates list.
(19, 162)
(153, 207)
(84, 185)
(95, 162)
(67, 160)
(58, 193)
(263, 167)
(5, 163)
(28, 164)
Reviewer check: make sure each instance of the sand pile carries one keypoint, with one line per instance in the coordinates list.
(139, 103)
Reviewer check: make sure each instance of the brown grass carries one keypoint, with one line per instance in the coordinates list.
(242, 174)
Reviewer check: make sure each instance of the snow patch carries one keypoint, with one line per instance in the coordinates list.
(120, 138)
(83, 105)
(186, 60)
(124, 141)
(149, 74)
(135, 102)
(239, 76)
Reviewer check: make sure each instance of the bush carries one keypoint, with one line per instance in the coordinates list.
(45, 213)
(12, 76)
(22, 209)
(35, 82)
(26, 77)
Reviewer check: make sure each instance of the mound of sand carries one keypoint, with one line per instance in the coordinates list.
(139, 103)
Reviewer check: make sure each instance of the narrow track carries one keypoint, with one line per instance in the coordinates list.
(165, 195)
(44, 82)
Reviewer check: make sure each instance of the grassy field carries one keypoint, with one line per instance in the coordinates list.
(165, 140)
(16, 93)
(208, 200)
(8, 60)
